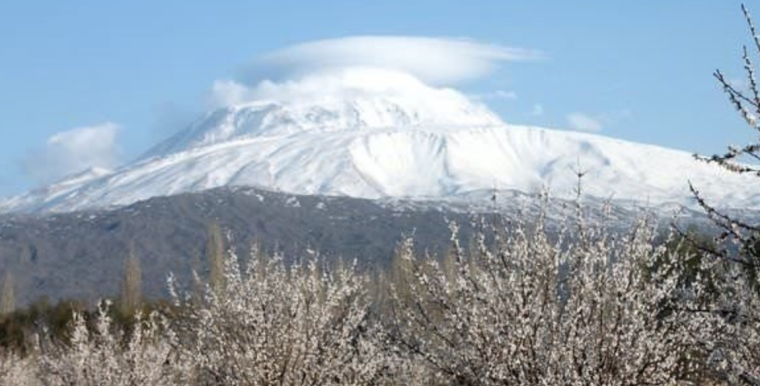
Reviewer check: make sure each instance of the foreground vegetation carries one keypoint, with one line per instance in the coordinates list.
(521, 305)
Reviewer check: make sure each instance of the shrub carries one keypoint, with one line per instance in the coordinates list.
(269, 323)
(533, 310)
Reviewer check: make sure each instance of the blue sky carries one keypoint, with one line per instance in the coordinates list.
(633, 70)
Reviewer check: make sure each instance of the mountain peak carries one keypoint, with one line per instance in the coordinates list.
(355, 99)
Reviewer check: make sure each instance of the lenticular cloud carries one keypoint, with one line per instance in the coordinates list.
(436, 61)
(330, 67)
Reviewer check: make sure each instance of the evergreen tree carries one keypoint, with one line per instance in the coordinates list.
(8, 295)
(215, 256)
(131, 291)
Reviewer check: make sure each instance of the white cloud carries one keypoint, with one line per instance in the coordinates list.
(376, 65)
(338, 83)
(584, 122)
(496, 95)
(73, 151)
(438, 61)
(738, 83)
(227, 93)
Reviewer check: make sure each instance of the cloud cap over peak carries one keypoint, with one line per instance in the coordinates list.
(437, 61)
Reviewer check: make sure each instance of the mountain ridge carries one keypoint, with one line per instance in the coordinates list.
(81, 255)
(378, 134)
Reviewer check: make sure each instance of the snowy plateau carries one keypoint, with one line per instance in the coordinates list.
(380, 134)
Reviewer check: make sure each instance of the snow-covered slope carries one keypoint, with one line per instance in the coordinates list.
(376, 134)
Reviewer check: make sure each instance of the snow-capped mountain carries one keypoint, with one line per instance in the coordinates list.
(380, 134)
